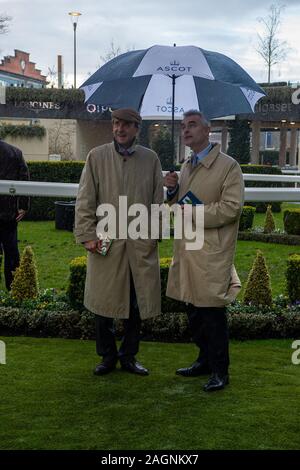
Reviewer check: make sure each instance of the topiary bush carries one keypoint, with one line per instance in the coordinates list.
(291, 220)
(258, 286)
(25, 283)
(247, 217)
(269, 225)
(293, 278)
(76, 284)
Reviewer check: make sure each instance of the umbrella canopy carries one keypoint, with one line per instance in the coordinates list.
(164, 81)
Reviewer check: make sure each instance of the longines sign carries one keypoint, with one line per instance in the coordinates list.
(38, 105)
(54, 110)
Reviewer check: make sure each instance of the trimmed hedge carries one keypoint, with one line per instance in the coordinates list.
(280, 238)
(247, 217)
(22, 130)
(171, 327)
(291, 220)
(293, 278)
(75, 290)
(43, 208)
(61, 96)
(269, 157)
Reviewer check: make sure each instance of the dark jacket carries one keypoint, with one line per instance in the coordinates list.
(12, 167)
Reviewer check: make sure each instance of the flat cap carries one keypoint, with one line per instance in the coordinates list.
(127, 114)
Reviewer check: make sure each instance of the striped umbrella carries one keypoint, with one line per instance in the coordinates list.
(164, 81)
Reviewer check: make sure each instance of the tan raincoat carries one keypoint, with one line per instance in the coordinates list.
(207, 277)
(105, 177)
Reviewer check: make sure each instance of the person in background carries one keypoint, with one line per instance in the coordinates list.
(12, 208)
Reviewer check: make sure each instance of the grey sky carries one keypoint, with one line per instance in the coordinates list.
(43, 28)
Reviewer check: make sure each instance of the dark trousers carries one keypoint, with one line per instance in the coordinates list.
(9, 242)
(105, 337)
(210, 333)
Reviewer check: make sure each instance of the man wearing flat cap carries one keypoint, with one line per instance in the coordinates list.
(125, 283)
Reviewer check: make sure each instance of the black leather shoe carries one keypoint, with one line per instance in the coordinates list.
(216, 382)
(104, 368)
(196, 369)
(134, 367)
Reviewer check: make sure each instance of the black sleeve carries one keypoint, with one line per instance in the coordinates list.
(23, 175)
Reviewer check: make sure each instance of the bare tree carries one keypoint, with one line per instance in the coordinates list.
(60, 139)
(52, 76)
(113, 51)
(4, 20)
(270, 47)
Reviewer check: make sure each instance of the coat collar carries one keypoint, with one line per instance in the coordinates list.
(208, 160)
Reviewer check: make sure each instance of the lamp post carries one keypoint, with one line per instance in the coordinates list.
(74, 18)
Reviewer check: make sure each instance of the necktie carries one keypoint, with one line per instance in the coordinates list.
(194, 160)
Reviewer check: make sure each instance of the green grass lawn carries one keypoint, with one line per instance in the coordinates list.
(54, 249)
(51, 400)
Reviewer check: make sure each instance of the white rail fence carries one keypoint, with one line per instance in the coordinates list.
(54, 189)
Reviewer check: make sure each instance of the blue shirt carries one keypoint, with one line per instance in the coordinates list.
(195, 160)
(197, 157)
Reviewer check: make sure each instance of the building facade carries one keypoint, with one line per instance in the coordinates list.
(19, 71)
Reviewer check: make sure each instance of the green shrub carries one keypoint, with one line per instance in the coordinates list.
(43, 208)
(61, 96)
(293, 278)
(269, 226)
(25, 282)
(22, 130)
(258, 286)
(291, 220)
(76, 285)
(239, 145)
(269, 157)
(162, 145)
(245, 323)
(247, 217)
(280, 238)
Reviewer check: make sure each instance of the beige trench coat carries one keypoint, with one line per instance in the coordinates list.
(107, 175)
(207, 277)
